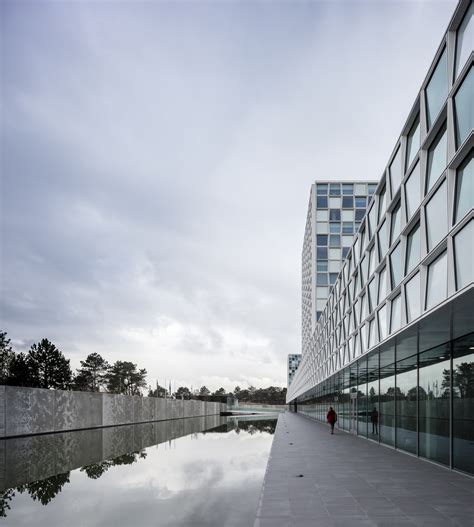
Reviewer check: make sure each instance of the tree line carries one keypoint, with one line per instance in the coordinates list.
(45, 366)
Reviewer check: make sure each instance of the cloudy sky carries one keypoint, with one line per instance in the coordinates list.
(156, 165)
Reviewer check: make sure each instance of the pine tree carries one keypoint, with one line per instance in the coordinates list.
(48, 366)
(92, 374)
(7, 355)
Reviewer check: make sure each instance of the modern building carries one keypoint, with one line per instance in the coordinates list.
(294, 360)
(396, 333)
(335, 211)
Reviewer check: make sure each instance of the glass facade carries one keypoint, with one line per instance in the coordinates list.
(394, 336)
(416, 393)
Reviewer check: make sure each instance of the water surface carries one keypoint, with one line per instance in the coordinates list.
(187, 472)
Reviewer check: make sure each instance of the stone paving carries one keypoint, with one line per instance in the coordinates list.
(315, 479)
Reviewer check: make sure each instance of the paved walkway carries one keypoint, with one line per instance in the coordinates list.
(317, 479)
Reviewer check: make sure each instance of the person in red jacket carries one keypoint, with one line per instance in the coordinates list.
(331, 418)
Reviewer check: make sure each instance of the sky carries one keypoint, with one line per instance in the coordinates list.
(156, 162)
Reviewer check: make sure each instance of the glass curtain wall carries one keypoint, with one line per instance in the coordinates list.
(404, 399)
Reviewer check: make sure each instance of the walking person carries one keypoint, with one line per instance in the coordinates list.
(374, 419)
(331, 418)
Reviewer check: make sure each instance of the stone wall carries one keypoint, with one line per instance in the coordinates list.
(28, 411)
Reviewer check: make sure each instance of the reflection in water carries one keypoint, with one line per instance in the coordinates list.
(206, 461)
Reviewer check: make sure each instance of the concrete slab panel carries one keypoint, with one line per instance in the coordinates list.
(160, 409)
(117, 409)
(74, 410)
(28, 410)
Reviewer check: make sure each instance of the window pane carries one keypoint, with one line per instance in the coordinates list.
(463, 403)
(437, 216)
(396, 265)
(322, 265)
(371, 188)
(396, 316)
(334, 240)
(434, 401)
(322, 188)
(413, 142)
(383, 241)
(334, 215)
(322, 202)
(371, 266)
(334, 203)
(412, 293)
(321, 239)
(347, 228)
(347, 188)
(465, 39)
(465, 187)
(413, 248)
(437, 159)
(321, 279)
(437, 90)
(382, 316)
(373, 294)
(396, 171)
(334, 254)
(372, 220)
(437, 281)
(335, 227)
(464, 108)
(346, 241)
(382, 284)
(464, 254)
(396, 223)
(334, 189)
(412, 191)
(347, 202)
(387, 405)
(381, 204)
(322, 253)
(334, 266)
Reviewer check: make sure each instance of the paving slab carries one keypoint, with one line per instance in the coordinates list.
(317, 479)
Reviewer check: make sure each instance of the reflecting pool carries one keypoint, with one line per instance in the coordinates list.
(204, 471)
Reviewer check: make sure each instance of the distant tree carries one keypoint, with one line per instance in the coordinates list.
(463, 380)
(47, 489)
(7, 355)
(159, 391)
(20, 372)
(48, 366)
(96, 470)
(412, 394)
(123, 377)
(5, 497)
(220, 391)
(183, 393)
(92, 374)
(237, 391)
(204, 391)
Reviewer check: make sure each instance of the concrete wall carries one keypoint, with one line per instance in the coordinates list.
(28, 411)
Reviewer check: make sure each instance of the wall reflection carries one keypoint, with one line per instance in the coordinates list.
(41, 465)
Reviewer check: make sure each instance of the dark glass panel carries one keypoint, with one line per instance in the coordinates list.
(406, 395)
(434, 403)
(463, 404)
